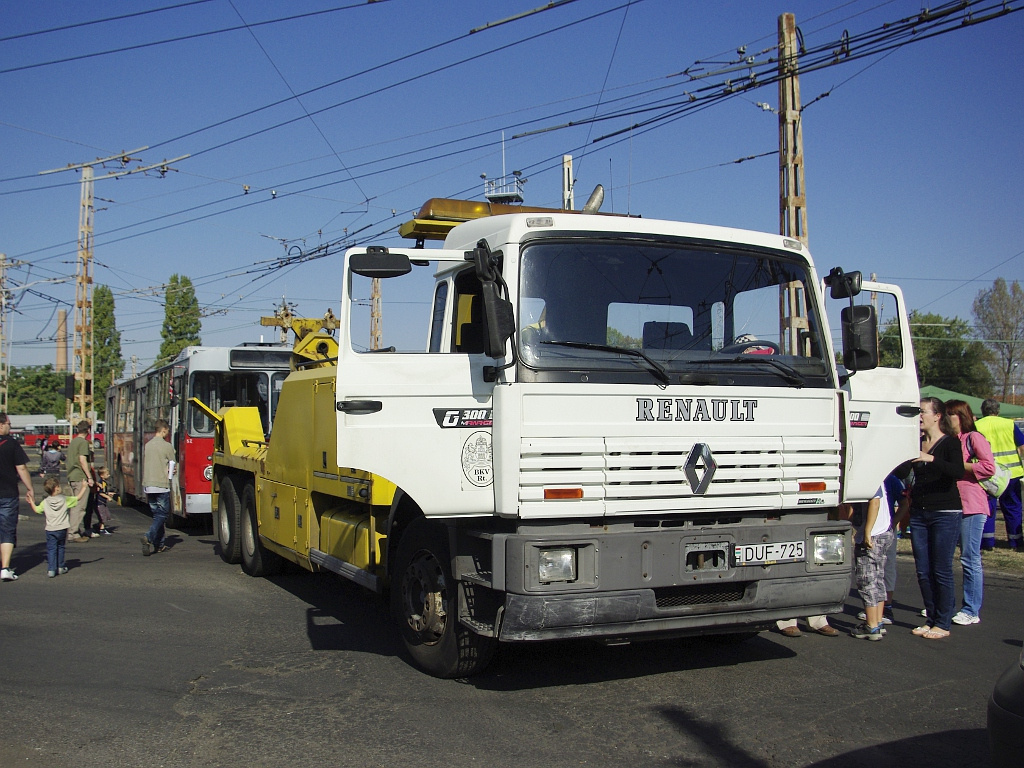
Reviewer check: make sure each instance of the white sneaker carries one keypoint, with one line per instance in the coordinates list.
(864, 617)
(8, 574)
(965, 619)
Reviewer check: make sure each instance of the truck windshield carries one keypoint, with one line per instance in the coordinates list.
(717, 315)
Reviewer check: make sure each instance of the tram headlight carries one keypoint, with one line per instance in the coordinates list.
(208, 472)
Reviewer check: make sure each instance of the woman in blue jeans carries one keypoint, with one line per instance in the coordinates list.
(978, 465)
(935, 515)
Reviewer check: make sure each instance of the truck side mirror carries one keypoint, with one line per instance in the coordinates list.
(499, 320)
(844, 285)
(860, 337)
(380, 263)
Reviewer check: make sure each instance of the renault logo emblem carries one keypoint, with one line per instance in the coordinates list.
(700, 454)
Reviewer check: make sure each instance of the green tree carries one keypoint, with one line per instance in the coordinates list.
(106, 352)
(944, 353)
(999, 321)
(36, 389)
(618, 339)
(181, 319)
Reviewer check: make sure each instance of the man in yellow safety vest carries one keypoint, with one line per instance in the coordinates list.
(1008, 448)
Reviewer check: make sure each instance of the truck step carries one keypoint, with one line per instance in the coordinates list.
(485, 630)
(483, 579)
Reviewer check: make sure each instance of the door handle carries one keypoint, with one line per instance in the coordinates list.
(359, 407)
(908, 410)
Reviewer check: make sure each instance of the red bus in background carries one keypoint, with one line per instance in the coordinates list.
(36, 436)
(248, 375)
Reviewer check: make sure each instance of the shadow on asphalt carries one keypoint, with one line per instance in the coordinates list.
(959, 747)
(968, 746)
(521, 666)
(343, 616)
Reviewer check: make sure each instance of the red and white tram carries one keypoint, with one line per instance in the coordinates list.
(248, 375)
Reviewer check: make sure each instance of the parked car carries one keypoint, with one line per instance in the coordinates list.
(1006, 717)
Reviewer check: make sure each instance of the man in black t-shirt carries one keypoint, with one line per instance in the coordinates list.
(13, 467)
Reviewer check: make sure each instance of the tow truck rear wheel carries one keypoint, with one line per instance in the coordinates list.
(425, 604)
(257, 560)
(227, 522)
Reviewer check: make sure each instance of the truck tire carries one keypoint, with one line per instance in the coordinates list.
(227, 523)
(257, 560)
(425, 604)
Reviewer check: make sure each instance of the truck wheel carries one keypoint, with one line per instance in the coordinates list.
(425, 604)
(257, 560)
(228, 523)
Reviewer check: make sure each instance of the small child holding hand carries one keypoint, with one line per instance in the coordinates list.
(103, 495)
(55, 507)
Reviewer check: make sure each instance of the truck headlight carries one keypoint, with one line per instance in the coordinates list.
(829, 548)
(556, 564)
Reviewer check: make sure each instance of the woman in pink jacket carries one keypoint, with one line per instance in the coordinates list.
(978, 465)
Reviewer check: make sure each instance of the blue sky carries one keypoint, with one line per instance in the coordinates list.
(913, 161)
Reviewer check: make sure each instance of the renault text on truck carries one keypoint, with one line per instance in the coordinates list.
(613, 428)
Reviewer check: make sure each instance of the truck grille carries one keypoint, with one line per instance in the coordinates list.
(617, 479)
(704, 594)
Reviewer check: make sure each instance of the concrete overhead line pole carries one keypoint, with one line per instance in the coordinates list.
(792, 194)
(82, 405)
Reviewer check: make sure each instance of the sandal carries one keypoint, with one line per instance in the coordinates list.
(922, 630)
(935, 634)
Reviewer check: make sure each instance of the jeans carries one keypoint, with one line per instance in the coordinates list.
(970, 558)
(55, 549)
(934, 534)
(160, 506)
(9, 519)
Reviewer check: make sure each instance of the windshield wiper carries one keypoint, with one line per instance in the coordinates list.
(656, 369)
(788, 372)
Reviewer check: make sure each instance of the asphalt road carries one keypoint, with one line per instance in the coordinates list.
(181, 660)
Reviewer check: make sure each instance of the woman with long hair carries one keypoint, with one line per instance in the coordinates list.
(978, 465)
(935, 513)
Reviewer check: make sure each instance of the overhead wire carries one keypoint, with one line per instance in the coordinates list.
(183, 38)
(81, 24)
(394, 167)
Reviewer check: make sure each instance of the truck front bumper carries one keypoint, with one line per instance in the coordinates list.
(639, 612)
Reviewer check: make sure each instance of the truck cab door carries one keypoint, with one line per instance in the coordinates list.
(879, 413)
(420, 420)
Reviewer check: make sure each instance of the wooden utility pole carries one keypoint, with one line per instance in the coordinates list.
(82, 405)
(376, 315)
(4, 333)
(568, 200)
(81, 346)
(792, 195)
